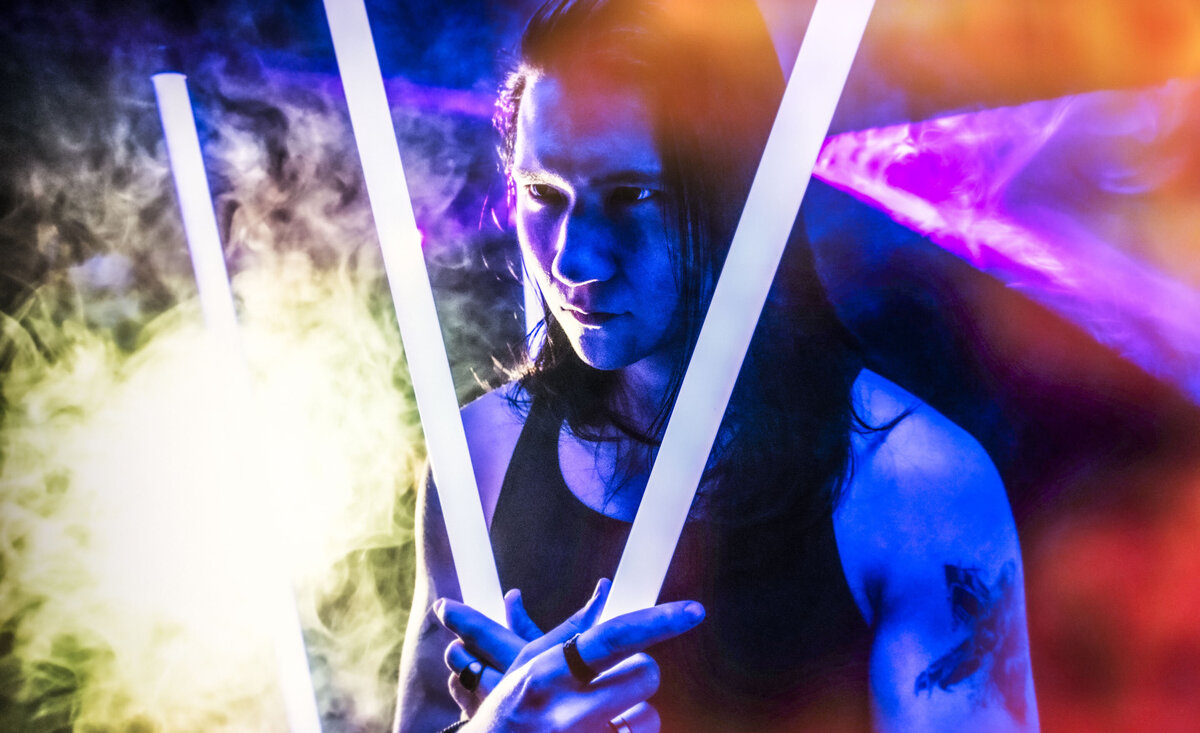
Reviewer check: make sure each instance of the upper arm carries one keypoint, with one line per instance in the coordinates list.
(929, 541)
(424, 701)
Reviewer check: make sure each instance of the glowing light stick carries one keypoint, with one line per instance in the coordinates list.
(195, 203)
(812, 94)
(216, 302)
(412, 296)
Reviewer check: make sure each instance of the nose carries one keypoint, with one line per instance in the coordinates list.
(585, 249)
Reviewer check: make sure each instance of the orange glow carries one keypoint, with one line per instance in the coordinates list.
(1019, 50)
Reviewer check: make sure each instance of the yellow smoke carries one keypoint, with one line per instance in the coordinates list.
(150, 504)
(136, 553)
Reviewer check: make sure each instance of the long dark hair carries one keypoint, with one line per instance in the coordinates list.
(709, 75)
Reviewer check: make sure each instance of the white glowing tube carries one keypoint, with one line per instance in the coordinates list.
(216, 302)
(413, 300)
(812, 94)
(195, 202)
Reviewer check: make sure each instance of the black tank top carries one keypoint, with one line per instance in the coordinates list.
(783, 646)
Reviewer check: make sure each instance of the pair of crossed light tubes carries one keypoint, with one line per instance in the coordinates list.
(813, 90)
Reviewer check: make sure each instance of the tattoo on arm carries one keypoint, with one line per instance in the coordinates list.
(989, 617)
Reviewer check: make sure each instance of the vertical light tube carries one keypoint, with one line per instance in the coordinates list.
(813, 90)
(195, 203)
(216, 302)
(412, 296)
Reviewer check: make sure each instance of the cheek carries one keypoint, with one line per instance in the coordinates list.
(656, 262)
(536, 236)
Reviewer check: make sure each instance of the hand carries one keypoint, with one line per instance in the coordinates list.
(539, 692)
(488, 649)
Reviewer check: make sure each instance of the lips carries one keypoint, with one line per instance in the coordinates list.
(592, 319)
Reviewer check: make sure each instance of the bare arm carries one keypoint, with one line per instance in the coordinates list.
(424, 704)
(931, 550)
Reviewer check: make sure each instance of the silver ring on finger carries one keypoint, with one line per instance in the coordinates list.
(580, 669)
(620, 725)
(470, 676)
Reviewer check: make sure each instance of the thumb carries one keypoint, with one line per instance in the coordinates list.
(580, 621)
(518, 617)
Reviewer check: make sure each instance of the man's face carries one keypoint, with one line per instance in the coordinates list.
(591, 220)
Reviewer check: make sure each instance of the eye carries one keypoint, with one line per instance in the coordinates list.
(543, 193)
(632, 194)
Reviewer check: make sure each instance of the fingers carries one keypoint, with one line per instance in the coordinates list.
(580, 621)
(624, 687)
(470, 680)
(586, 617)
(469, 700)
(457, 657)
(495, 645)
(547, 690)
(463, 699)
(641, 718)
(603, 646)
(518, 618)
(637, 677)
(488, 679)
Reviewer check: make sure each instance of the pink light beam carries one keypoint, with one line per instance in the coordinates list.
(1064, 200)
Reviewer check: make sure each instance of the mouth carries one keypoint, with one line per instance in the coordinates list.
(590, 319)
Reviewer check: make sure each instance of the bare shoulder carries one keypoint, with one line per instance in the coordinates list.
(492, 426)
(492, 411)
(923, 492)
(924, 445)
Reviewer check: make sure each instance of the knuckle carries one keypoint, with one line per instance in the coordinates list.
(462, 620)
(536, 687)
(457, 693)
(468, 627)
(453, 649)
(574, 625)
(652, 676)
(605, 648)
(644, 675)
(620, 637)
(487, 683)
(653, 721)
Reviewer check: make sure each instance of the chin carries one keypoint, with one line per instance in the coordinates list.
(603, 362)
(600, 356)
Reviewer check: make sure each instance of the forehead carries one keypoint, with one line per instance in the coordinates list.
(580, 128)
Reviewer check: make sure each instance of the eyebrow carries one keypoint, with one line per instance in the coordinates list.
(631, 175)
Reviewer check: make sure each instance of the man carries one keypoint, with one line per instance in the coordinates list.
(852, 551)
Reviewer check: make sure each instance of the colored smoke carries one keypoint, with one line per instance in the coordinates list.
(135, 541)
(1086, 204)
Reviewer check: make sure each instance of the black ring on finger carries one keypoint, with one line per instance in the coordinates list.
(580, 669)
(471, 675)
(620, 725)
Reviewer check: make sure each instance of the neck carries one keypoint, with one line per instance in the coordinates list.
(643, 389)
